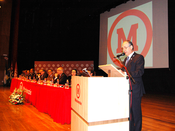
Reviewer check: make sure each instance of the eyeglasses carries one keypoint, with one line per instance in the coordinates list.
(125, 47)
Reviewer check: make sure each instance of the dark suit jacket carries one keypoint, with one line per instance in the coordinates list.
(69, 79)
(135, 67)
(42, 77)
(32, 75)
(62, 78)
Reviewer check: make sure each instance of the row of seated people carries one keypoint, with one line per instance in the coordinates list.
(50, 76)
(28, 73)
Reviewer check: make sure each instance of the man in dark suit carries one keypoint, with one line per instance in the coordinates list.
(50, 76)
(43, 74)
(135, 66)
(32, 74)
(61, 76)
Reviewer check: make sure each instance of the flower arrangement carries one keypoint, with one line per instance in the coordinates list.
(17, 97)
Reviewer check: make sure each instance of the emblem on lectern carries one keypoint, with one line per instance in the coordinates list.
(78, 91)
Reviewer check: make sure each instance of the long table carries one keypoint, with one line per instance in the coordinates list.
(54, 101)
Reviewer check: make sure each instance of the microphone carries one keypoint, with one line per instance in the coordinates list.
(122, 54)
(85, 69)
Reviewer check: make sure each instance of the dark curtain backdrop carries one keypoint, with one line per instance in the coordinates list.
(13, 50)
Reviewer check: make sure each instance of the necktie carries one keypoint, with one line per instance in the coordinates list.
(127, 60)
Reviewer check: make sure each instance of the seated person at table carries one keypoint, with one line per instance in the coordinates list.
(43, 75)
(23, 73)
(27, 73)
(50, 75)
(73, 73)
(61, 76)
(38, 74)
(55, 77)
(32, 74)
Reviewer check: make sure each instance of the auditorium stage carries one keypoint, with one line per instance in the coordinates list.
(158, 115)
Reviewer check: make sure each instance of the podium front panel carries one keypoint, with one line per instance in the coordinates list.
(78, 124)
(97, 99)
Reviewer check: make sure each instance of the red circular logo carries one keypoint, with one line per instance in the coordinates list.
(78, 91)
(146, 22)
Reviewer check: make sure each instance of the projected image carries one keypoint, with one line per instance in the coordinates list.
(145, 23)
(135, 25)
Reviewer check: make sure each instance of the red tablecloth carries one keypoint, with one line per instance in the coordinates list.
(48, 99)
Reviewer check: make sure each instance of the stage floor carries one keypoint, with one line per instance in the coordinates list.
(158, 112)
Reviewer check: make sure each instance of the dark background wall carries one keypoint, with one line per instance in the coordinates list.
(5, 22)
(69, 31)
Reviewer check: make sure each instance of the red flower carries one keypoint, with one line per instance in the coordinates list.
(15, 103)
(20, 98)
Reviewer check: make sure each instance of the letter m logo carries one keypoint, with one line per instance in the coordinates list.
(132, 35)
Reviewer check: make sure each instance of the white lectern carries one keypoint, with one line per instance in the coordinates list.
(100, 103)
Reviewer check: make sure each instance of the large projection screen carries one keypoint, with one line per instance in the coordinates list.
(145, 23)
